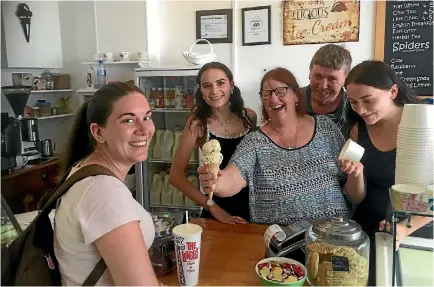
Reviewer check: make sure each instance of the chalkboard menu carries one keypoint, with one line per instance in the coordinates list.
(408, 43)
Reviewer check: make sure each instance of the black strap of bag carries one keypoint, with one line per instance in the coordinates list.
(50, 204)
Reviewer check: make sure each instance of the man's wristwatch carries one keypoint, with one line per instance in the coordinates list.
(209, 203)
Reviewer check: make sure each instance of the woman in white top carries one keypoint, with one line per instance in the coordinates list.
(98, 217)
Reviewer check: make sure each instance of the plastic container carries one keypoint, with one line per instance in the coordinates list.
(101, 75)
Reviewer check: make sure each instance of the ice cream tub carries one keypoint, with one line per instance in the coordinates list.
(409, 197)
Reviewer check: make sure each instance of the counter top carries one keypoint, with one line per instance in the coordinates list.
(228, 254)
(30, 167)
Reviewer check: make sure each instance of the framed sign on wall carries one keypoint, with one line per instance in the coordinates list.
(328, 21)
(256, 22)
(214, 25)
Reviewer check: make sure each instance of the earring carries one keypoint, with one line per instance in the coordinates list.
(296, 104)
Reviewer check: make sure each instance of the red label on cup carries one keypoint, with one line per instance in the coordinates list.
(192, 252)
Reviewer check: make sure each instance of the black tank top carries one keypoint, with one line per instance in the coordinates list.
(237, 205)
(379, 172)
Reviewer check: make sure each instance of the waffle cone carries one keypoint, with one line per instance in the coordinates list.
(214, 169)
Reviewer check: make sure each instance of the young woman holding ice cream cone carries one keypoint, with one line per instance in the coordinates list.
(219, 114)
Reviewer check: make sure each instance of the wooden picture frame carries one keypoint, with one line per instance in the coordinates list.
(214, 25)
(259, 27)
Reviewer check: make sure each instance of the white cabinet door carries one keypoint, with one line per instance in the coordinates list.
(44, 46)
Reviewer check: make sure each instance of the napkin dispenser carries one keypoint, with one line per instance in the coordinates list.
(294, 241)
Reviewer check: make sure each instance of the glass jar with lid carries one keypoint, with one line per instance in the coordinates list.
(162, 251)
(337, 253)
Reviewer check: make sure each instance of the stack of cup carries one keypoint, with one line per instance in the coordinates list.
(414, 152)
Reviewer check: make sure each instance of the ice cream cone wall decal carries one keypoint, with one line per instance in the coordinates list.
(24, 15)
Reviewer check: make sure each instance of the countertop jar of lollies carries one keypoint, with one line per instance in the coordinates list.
(337, 253)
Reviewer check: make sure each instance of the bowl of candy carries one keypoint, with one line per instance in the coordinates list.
(280, 271)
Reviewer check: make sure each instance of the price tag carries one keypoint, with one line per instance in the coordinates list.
(340, 263)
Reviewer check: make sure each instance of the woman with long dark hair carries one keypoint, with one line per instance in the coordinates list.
(98, 217)
(377, 96)
(219, 114)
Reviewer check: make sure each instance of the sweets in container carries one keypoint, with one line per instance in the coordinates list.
(280, 271)
(337, 253)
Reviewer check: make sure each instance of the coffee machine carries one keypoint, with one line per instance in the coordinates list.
(20, 134)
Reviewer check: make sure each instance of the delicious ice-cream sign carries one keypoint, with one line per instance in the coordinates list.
(316, 21)
(24, 15)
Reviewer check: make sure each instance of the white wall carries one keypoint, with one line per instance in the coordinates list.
(178, 31)
(44, 48)
(121, 26)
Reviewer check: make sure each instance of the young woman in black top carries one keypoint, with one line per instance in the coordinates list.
(377, 96)
(219, 114)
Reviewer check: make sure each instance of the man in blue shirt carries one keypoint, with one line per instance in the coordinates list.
(326, 94)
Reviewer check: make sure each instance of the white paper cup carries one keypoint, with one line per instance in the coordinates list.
(352, 151)
(187, 247)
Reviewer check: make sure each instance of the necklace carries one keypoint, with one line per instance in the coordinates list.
(222, 124)
(281, 139)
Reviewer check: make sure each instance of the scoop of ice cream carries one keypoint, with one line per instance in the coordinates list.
(211, 146)
(213, 158)
(23, 11)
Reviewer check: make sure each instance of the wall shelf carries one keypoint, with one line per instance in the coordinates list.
(88, 91)
(113, 63)
(55, 116)
(51, 91)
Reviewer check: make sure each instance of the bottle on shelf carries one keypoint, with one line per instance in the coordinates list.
(166, 193)
(179, 98)
(177, 197)
(176, 144)
(157, 183)
(159, 103)
(156, 151)
(101, 75)
(168, 141)
(152, 98)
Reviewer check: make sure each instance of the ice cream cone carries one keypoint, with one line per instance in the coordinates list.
(212, 158)
(25, 25)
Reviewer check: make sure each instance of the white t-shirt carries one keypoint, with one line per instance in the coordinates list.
(91, 208)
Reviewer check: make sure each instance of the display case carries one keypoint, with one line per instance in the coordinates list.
(170, 93)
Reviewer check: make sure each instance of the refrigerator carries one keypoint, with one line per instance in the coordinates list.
(170, 93)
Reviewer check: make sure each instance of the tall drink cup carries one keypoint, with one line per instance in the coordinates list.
(187, 247)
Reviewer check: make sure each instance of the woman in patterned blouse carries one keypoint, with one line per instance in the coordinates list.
(290, 164)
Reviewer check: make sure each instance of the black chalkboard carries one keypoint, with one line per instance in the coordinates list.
(408, 43)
